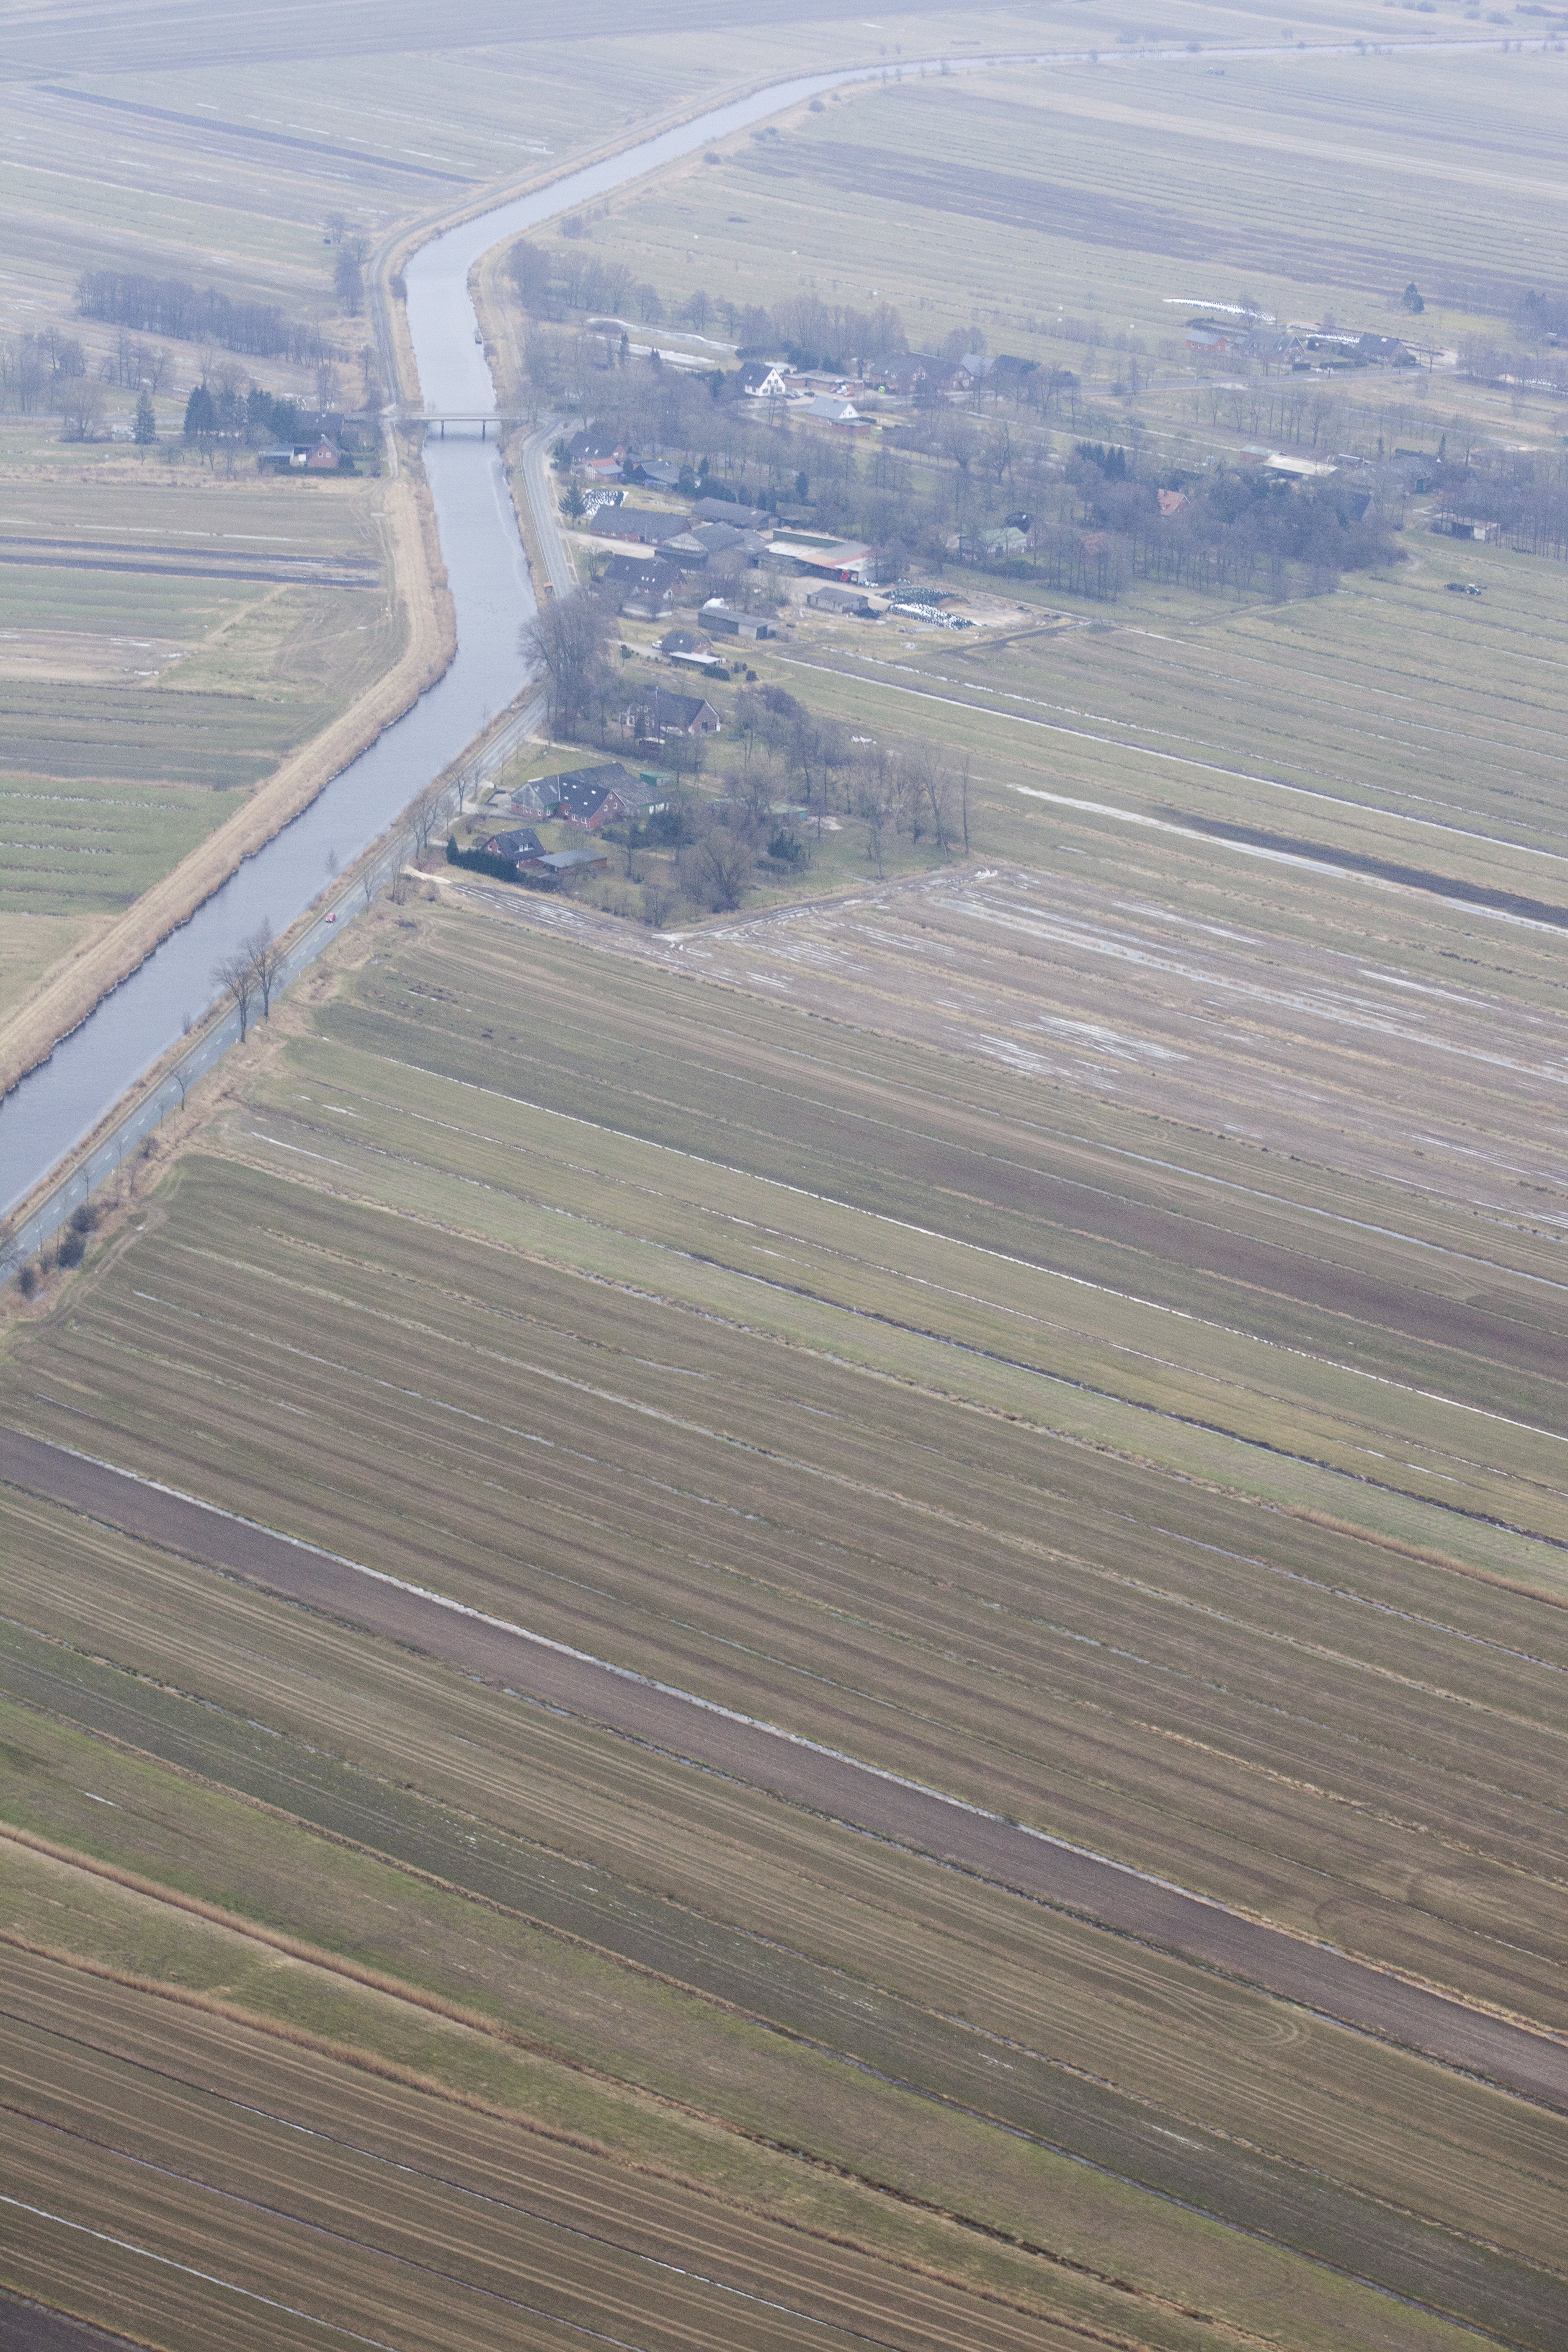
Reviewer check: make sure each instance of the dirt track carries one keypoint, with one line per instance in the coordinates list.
(998, 1850)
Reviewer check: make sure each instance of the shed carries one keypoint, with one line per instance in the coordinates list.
(558, 865)
(730, 623)
(725, 510)
(831, 598)
(1453, 526)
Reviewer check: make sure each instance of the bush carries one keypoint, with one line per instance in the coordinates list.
(667, 828)
(72, 1250)
(787, 849)
(27, 1280)
(85, 1218)
(479, 861)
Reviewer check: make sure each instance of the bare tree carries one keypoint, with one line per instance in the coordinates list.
(683, 755)
(928, 793)
(567, 639)
(265, 958)
(82, 409)
(876, 794)
(424, 816)
(718, 868)
(237, 974)
(759, 784)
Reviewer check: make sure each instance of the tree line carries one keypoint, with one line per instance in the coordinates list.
(805, 330)
(993, 493)
(1524, 492)
(190, 314)
(223, 412)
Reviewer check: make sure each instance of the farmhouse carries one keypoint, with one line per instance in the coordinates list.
(915, 375)
(1416, 467)
(645, 526)
(690, 649)
(653, 711)
(828, 408)
(644, 587)
(530, 800)
(523, 846)
(319, 456)
(1351, 347)
(765, 380)
(1206, 335)
(658, 473)
(596, 796)
(592, 449)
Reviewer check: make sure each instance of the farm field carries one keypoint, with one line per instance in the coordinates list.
(164, 642)
(1208, 171)
(1066, 1315)
(495, 2229)
(1190, 1495)
(1390, 721)
(582, 1938)
(151, 150)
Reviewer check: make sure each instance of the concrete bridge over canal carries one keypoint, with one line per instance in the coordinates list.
(502, 419)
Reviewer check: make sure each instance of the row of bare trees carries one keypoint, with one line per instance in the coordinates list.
(251, 975)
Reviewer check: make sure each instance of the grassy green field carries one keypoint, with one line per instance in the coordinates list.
(1128, 1479)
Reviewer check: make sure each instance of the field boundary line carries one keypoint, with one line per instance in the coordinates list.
(410, 2078)
(1324, 864)
(1523, 2059)
(209, 2278)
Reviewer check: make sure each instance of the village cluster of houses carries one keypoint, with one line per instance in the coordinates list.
(821, 397)
(658, 550)
(1297, 348)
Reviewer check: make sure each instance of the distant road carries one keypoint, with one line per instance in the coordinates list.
(801, 1773)
(539, 488)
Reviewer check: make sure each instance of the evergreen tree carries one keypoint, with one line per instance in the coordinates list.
(201, 418)
(146, 426)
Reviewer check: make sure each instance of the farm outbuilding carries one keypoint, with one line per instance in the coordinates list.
(1453, 526)
(831, 598)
